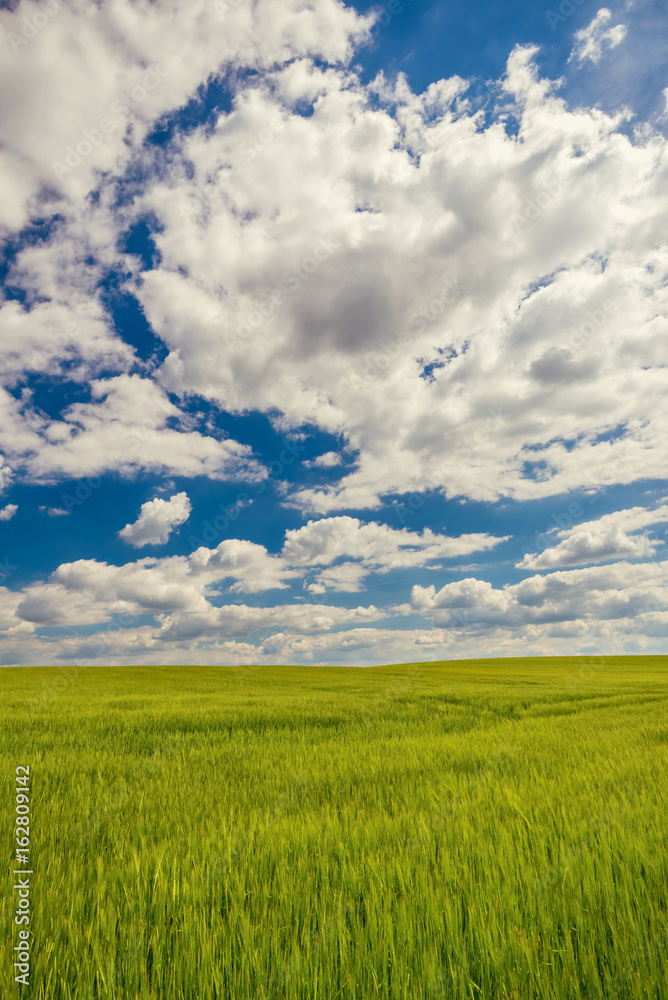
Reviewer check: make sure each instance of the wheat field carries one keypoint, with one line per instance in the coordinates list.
(473, 829)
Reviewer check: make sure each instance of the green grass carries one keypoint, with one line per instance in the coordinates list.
(480, 829)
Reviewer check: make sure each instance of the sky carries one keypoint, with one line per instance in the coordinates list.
(332, 333)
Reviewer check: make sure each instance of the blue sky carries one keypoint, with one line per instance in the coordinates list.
(332, 333)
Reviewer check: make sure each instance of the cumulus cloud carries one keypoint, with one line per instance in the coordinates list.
(468, 593)
(371, 268)
(55, 337)
(620, 590)
(590, 41)
(470, 309)
(6, 475)
(252, 567)
(80, 126)
(157, 519)
(177, 591)
(613, 536)
(126, 427)
(347, 577)
(242, 620)
(7, 512)
(88, 591)
(348, 637)
(127, 65)
(329, 460)
(460, 331)
(378, 547)
(618, 607)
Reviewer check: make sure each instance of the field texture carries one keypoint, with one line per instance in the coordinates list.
(487, 829)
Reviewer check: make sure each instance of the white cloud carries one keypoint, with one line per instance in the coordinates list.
(126, 428)
(613, 536)
(329, 460)
(347, 577)
(351, 639)
(479, 253)
(253, 568)
(416, 237)
(468, 310)
(6, 475)
(378, 547)
(54, 511)
(56, 337)
(128, 64)
(7, 512)
(468, 593)
(242, 621)
(619, 590)
(157, 519)
(615, 608)
(87, 591)
(74, 127)
(177, 591)
(590, 41)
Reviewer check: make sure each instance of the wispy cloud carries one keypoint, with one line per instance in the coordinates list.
(54, 511)
(590, 42)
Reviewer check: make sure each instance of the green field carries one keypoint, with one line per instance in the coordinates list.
(479, 829)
